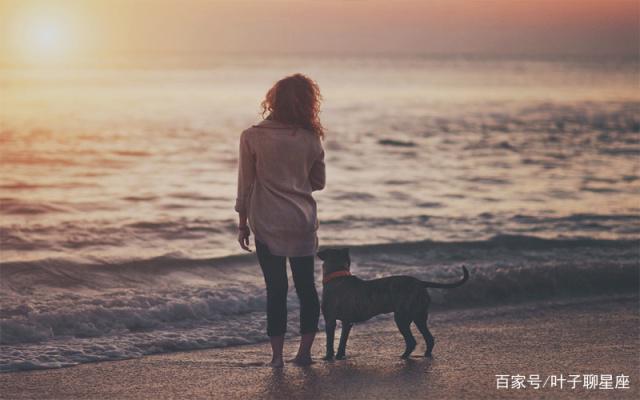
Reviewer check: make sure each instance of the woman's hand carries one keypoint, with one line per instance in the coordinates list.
(243, 237)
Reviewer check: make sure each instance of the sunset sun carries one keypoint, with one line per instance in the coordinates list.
(47, 38)
(38, 36)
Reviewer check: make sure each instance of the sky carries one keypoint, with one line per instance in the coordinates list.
(33, 31)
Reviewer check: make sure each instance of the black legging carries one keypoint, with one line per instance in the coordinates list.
(274, 269)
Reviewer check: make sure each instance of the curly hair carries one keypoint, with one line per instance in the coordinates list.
(295, 100)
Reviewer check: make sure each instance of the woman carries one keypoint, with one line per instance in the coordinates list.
(281, 163)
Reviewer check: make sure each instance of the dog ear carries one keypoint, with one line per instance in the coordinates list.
(322, 254)
(345, 253)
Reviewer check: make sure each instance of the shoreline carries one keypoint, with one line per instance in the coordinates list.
(571, 336)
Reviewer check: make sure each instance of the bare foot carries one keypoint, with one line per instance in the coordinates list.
(276, 362)
(302, 361)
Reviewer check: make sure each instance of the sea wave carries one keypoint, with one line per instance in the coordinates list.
(204, 236)
(50, 298)
(59, 312)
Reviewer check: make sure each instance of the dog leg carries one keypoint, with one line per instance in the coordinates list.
(330, 329)
(404, 325)
(421, 323)
(344, 336)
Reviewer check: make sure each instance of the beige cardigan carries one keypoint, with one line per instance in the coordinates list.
(278, 169)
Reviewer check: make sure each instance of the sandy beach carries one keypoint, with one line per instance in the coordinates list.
(576, 336)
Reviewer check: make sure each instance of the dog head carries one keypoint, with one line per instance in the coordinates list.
(336, 259)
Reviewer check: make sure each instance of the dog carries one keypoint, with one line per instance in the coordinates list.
(350, 299)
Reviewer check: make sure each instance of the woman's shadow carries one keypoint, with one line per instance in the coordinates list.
(335, 379)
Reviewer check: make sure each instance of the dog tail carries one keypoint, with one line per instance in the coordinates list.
(449, 285)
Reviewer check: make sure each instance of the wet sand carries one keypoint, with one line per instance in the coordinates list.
(580, 336)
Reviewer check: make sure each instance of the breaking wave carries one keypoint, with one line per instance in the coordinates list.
(58, 312)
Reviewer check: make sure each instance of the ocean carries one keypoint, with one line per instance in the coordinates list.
(117, 187)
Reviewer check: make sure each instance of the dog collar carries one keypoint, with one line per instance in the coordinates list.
(334, 275)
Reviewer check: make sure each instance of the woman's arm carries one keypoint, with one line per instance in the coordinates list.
(317, 176)
(243, 231)
(246, 179)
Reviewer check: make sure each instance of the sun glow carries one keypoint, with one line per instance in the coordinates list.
(41, 37)
(47, 39)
